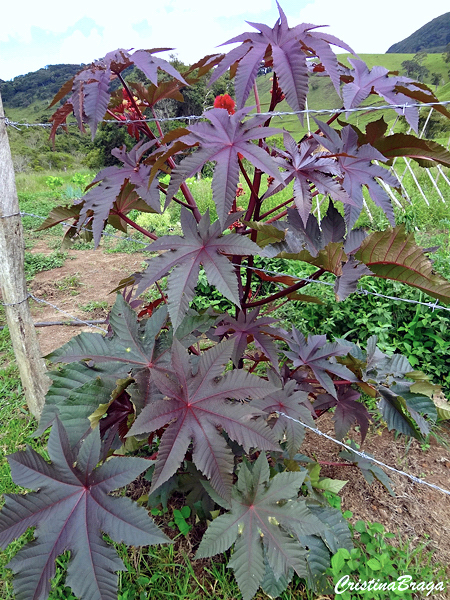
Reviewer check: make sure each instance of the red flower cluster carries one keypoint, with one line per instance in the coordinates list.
(279, 96)
(225, 102)
(126, 111)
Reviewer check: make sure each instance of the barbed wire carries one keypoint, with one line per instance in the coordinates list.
(364, 455)
(306, 111)
(433, 305)
(42, 301)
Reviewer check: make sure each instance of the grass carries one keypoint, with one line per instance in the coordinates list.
(94, 305)
(69, 283)
(35, 263)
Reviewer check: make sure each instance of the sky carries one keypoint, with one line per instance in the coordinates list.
(36, 34)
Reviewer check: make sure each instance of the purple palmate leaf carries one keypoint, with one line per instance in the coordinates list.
(356, 164)
(346, 284)
(291, 402)
(196, 407)
(91, 87)
(71, 510)
(149, 64)
(348, 410)
(202, 244)
(378, 79)
(315, 354)
(289, 48)
(222, 140)
(305, 167)
(247, 328)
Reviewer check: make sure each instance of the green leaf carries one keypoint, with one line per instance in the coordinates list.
(75, 393)
(338, 560)
(374, 564)
(330, 485)
(266, 520)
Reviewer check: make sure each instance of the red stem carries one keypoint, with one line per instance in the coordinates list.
(276, 217)
(253, 208)
(148, 234)
(258, 103)
(285, 292)
(184, 188)
(272, 210)
(161, 292)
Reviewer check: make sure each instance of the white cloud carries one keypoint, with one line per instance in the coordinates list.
(193, 27)
(369, 28)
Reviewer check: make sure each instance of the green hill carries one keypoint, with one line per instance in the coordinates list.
(26, 99)
(432, 37)
(39, 85)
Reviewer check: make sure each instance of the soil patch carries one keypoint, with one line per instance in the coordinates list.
(417, 512)
(87, 276)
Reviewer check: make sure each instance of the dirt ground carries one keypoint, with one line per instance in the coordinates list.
(86, 276)
(417, 512)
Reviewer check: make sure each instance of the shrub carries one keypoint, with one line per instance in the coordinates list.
(213, 406)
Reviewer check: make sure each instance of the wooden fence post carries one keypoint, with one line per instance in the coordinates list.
(13, 286)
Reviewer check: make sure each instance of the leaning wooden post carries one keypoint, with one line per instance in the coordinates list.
(13, 286)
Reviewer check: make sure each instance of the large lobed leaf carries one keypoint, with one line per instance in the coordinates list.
(348, 410)
(315, 353)
(202, 244)
(70, 511)
(250, 327)
(265, 521)
(196, 407)
(287, 49)
(394, 254)
(291, 402)
(115, 188)
(379, 80)
(222, 140)
(304, 165)
(129, 347)
(356, 164)
(75, 393)
(90, 87)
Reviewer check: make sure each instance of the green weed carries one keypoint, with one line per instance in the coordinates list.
(69, 283)
(35, 263)
(374, 559)
(94, 305)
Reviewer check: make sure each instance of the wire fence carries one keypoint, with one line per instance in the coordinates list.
(365, 456)
(360, 290)
(307, 111)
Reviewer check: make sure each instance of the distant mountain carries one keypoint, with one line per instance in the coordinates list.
(432, 37)
(38, 85)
